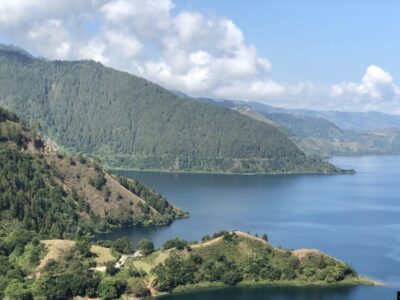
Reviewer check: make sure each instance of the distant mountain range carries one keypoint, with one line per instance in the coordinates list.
(359, 121)
(129, 122)
(326, 133)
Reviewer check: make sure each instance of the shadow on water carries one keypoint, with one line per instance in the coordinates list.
(287, 293)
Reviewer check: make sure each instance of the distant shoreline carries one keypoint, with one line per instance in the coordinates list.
(342, 172)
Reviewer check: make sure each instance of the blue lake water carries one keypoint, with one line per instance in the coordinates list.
(352, 217)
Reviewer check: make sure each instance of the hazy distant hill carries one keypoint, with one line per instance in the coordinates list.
(359, 121)
(323, 134)
(130, 122)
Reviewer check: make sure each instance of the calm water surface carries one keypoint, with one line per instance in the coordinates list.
(352, 217)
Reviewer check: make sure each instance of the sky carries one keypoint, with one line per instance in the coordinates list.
(330, 55)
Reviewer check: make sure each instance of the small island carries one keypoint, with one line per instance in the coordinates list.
(237, 258)
(64, 269)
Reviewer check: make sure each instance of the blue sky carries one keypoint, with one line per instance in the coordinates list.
(316, 40)
(329, 55)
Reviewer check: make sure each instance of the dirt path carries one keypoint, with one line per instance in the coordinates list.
(121, 262)
(205, 244)
(251, 237)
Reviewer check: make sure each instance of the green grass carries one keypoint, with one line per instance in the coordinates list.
(149, 262)
(103, 255)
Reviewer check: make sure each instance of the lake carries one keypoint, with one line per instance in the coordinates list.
(352, 217)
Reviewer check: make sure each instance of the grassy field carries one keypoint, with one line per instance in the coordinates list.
(56, 248)
(149, 262)
(103, 255)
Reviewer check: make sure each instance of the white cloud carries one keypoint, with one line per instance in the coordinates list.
(182, 50)
(376, 83)
(51, 38)
(23, 13)
(376, 91)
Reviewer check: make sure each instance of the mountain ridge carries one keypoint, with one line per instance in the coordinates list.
(130, 122)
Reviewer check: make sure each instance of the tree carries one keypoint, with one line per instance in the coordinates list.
(123, 245)
(137, 288)
(107, 290)
(83, 246)
(265, 237)
(175, 243)
(111, 269)
(17, 291)
(146, 247)
(98, 181)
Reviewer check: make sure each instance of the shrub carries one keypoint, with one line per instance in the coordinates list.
(146, 247)
(137, 288)
(123, 245)
(175, 243)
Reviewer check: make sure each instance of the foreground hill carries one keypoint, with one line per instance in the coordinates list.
(66, 269)
(237, 258)
(58, 195)
(129, 122)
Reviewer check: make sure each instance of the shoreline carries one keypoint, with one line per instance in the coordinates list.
(281, 283)
(342, 172)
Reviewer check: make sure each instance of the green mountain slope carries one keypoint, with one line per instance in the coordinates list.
(60, 196)
(129, 122)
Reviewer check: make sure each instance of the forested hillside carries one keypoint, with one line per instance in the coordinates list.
(60, 196)
(129, 122)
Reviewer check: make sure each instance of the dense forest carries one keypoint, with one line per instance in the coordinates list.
(129, 122)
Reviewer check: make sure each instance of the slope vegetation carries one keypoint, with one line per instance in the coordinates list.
(58, 195)
(129, 122)
(237, 258)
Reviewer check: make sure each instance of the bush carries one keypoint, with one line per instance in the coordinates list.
(265, 237)
(232, 276)
(82, 159)
(122, 245)
(146, 247)
(309, 271)
(107, 290)
(98, 181)
(111, 269)
(83, 246)
(137, 288)
(175, 243)
(17, 291)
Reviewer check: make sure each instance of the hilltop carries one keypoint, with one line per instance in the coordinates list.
(237, 258)
(129, 122)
